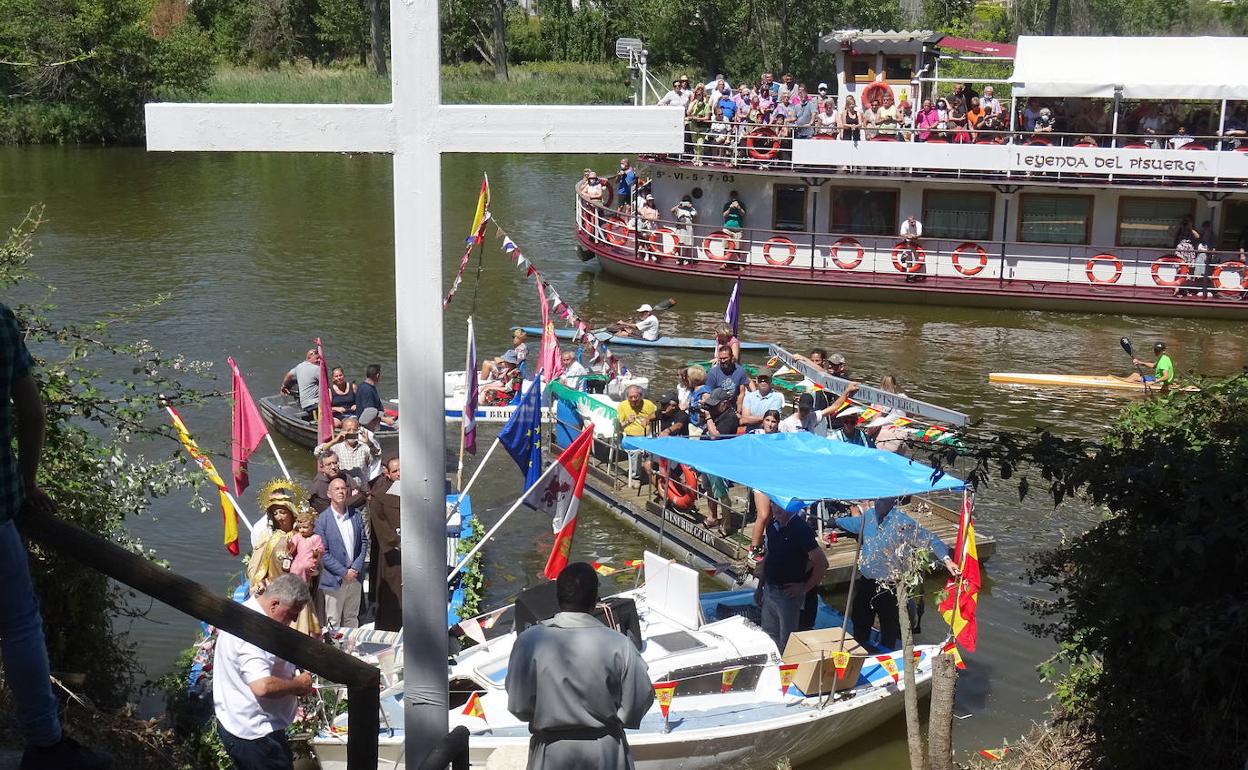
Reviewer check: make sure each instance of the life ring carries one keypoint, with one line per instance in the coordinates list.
(587, 220)
(718, 235)
(979, 252)
(882, 138)
(657, 239)
(1217, 274)
(753, 144)
(681, 494)
(779, 241)
(920, 256)
(1117, 263)
(825, 136)
(1181, 270)
(616, 230)
(870, 90)
(1037, 143)
(1194, 146)
(847, 242)
(1136, 146)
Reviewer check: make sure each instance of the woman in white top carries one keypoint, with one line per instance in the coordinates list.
(827, 122)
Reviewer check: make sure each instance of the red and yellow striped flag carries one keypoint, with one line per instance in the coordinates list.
(473, 707)
(228, 515)
(952, 649)
(663, 692)
(787, 672)
(996, 755)
(959, 605)
(840, 659)
(889, 665)
(729, 676)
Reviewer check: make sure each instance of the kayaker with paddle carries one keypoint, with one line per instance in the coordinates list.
(1163, 368)
(646, 327)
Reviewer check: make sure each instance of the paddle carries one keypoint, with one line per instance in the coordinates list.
(1125, 343)
(657, 308)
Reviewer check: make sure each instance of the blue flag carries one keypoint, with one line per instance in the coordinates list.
(522, 435)
(732, 315)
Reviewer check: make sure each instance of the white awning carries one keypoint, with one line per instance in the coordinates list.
(1145, 67)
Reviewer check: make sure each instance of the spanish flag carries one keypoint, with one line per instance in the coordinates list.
(963, 591)
(663, 692)
(477, 233)
(889, 665)
(473, 707)
(787, 672)
(840, 659)
(728, 677)
(952, 649)
(561, 496)
(996, 755)
(228, 514)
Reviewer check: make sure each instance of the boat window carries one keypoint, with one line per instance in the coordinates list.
(1234, 225)
(790, 207)
(898, 67)
(862, 67)
(864, 212)
(1045, 218)
(1152, 221)
(957, 214)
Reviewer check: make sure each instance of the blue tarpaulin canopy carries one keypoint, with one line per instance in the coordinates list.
(797, 469)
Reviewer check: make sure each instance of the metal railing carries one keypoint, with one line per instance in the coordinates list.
(859, 258)
(363, 681)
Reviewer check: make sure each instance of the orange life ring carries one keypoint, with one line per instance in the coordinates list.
(979, 251)
(587, 220)
(616, 230)
(681, 494)
(1181, 270)
(656, 240)
(719, 235)
(857, 257)
(779, 241)
(752, 141)
(1037, 143)
(867, 92)
(920, 256)
(1217, 274)
(1117, 263)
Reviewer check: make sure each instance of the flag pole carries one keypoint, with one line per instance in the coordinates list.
(485, 538)
(277, 454)
(853, 578)
(464, 491)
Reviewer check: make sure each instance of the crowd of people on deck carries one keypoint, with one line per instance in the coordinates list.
(720, 115)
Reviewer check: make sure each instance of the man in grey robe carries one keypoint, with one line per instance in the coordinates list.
(577, 683)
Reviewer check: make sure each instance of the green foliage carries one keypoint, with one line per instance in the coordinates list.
(1150, 606)
(342, 28)
(197, 745)
(81, 70)
(92, 468)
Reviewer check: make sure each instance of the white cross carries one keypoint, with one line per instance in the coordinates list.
(416, 129)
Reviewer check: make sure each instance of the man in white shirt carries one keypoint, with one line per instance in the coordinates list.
(718, 87)
(646, 326)
(911, 231)
(356, 448)
(255, 693)
(346, 542)
(574, 372)
(988, 103)
(677, 96)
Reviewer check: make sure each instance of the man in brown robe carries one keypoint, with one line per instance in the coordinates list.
(385, 570)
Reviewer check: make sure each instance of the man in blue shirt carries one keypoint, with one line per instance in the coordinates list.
(625, 178)
(729, 377)
(729, 106)
(366, 395)
(795, 565)
(26, 669)
(759, 401)
(888, 539)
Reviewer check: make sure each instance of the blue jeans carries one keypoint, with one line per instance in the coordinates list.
(21, 642)
(780, 614)
(271, 752)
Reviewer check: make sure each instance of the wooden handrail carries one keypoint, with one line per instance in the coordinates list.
(362, 680)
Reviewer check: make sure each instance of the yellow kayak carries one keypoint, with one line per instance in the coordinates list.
(1070, 381)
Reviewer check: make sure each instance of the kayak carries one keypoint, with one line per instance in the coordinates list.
(692, 343)
(1072, 381)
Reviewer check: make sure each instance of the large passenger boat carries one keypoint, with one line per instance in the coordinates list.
(1130, 194)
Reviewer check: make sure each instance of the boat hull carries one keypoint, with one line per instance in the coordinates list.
(283, 415)
(1089, 381)
(685, 343)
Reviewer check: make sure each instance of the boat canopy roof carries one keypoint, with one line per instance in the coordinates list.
(1143, 67)
(797, 469)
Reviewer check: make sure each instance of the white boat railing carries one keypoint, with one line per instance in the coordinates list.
(855, 258)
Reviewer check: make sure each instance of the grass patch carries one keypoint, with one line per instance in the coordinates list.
(536, 83)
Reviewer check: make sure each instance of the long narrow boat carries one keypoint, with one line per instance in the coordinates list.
(688, 343)
(1090, 381)
(282, 413)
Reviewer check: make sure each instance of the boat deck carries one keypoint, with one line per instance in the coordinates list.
(725, 557)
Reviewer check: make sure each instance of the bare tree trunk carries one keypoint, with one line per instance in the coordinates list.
(1050, 22)
(375, 23)
(940, 718)
(914, 728)
(500, 41)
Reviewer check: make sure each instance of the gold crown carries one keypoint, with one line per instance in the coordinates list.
(281, 491)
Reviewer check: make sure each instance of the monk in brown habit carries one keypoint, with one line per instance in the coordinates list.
(383, 510)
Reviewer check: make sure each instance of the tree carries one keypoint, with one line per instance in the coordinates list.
(343, 27)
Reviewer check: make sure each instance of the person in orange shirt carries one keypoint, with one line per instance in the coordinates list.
(975, 118)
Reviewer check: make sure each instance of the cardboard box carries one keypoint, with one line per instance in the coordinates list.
(805, 647)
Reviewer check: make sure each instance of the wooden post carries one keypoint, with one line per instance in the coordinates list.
(940, 717)
(910, 694)
(362, 680)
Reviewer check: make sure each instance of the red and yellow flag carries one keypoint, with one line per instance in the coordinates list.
(952, 649)
(840, 659)
(959, 605)
(663, 692)
(995, 755)
(889, 665)
(561, 496)
(787, 672)
(229, 516)
(473, 707)
(729, 676)
(477, 232)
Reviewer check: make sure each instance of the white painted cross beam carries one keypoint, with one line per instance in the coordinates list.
(416, 129)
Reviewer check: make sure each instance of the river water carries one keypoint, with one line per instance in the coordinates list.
(264, 252)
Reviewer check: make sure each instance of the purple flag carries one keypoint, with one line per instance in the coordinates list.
(732, 316)
(469, 424)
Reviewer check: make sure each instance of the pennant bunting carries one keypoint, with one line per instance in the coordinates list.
(840, 659)
(787, 672)
(996, 755)
(663, 692)
(952, 649)
(229, 516)
(488, 621)
(604, 570)
(473, 630)
(729, 676)
(473, 707)
(889, 665)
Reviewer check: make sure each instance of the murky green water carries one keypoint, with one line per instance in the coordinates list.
(264, 252)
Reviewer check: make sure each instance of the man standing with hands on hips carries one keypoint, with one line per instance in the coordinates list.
(255, 694)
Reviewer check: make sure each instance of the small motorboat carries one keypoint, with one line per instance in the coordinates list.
(283, 415)
(455, 390)
(689, 343)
